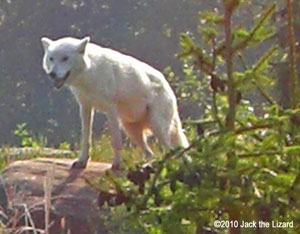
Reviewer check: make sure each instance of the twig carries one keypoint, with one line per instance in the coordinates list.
(255, 68)
(29, 218)
(203, 64)
(264, 93)
(257, 154)
(243, 44)
(215, 106)
(265, 58)
(243, 129)
(253, 128)
(161, 166)
(200, 121)
(293, 57)
(48, 184)
(26, 229)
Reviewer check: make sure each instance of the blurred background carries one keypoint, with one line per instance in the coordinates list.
(147, 29)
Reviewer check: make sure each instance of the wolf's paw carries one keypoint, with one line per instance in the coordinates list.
(116, 167)
(78, 165)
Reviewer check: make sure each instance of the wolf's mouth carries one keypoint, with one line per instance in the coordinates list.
(58, 83)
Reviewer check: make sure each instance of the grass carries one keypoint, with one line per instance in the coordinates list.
(101, 151)
(11, 154)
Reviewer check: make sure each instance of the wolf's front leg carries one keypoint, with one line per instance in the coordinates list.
(87, 116)
(116, 137)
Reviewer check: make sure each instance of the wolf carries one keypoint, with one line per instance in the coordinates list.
(131, 93)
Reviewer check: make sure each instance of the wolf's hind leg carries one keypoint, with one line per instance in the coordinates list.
(137, 134)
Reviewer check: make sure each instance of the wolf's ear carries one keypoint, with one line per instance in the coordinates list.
(46, 42)
(82, 45)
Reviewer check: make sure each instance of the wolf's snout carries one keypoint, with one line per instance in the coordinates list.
(52, 75)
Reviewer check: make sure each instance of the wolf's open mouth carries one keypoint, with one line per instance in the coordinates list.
(58, 83)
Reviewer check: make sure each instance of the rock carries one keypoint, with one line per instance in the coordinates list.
(73, 201)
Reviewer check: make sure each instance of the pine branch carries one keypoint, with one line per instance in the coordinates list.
(243, 44)
(256, 28)
(256, 67)
(265, 58)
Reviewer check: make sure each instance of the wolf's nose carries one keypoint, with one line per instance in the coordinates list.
(52, 75)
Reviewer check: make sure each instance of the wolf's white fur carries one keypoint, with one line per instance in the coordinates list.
(122, 87)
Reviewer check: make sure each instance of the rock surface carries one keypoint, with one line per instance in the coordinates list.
(73, 201)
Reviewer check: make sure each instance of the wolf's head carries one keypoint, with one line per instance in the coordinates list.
(63, 58)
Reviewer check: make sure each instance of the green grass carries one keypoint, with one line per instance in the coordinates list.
(101, 151)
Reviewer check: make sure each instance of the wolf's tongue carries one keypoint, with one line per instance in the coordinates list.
(58, 83)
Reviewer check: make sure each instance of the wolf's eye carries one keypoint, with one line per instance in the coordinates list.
(64, 59)
(51, 59)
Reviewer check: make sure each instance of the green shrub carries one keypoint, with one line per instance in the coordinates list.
(243, 162)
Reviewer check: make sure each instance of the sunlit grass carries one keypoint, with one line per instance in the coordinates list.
(101, 151)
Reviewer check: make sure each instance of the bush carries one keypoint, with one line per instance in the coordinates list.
(242, 164)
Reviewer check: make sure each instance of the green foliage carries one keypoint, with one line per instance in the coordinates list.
(23, 134)
(247, 173)
(26, 138)
(64, 146)
(102, 149)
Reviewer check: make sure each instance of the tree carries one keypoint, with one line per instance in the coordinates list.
(242, 164)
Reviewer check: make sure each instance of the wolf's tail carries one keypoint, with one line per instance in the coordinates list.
(178, 137)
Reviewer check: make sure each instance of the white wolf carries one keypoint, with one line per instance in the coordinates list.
(122, 87)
